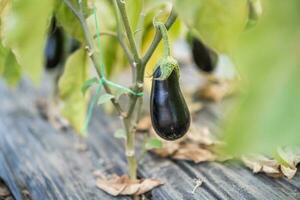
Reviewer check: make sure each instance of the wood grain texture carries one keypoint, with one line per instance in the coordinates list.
(36, 157)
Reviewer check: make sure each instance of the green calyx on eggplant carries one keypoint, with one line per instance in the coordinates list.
(54, 47)
(169, 112)
(204, 58)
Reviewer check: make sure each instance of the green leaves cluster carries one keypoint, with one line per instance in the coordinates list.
(75, 74)
(24, 31)
(268, 112)
(218, 23)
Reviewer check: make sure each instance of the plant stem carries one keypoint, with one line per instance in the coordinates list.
(131, 118)
(129, 125)
(91, 49)
(129, 33)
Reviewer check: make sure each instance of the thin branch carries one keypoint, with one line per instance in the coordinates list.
(129, 33)
(122, 43)
(108, 33)
(91, 50)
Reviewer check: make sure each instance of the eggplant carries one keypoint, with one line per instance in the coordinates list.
(169, 113)
(205, 58)
(54, 47)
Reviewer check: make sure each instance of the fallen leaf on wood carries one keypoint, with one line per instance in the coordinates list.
(194, 153)
(286, 165)
(144, 124)
(216, 89)
(260, 163)
(123, 185)
(195, 107)
(50, 112)
(291, 158)
(197, 146)
(201, 135)
(169, 148)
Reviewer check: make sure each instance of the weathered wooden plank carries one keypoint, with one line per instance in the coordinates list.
(177, 184)
(42, 160)
(47, 163)
(6, 175)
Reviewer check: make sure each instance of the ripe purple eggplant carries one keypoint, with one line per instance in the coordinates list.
(169, 113)
(54, 47)
(205, 58)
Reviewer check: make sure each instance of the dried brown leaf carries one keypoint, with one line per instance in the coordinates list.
(287, 171)
(194, 153)
(195, 107)
(215, 90)
(168, 150)
(123, 185)
(50, 112)
(291, 155)
(201, 135)
(259, 163)
(144, 124)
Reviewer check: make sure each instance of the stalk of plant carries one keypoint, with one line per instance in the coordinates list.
(138, 63)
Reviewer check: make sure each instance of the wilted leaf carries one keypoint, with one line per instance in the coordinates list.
(87, 84)
(153, 143)
(105, 98)
(117, 185)
(74, 103)
(217, 23)
(120, 133)
(24, 30)
(284, 165)
(9, 68)
(259, 163)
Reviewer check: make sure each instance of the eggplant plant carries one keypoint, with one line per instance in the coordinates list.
(116, 33)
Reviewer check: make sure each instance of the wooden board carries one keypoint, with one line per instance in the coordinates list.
(47, 163)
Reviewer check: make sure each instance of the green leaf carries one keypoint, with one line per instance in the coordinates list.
(9, 68)
(267, 114)
(24, 30)
(153, 143)
(67, 19)
(105, 98)
(87, 84)
(121, 134)
(113, 56)
(134, 9)
(217, 23)
(75, 74)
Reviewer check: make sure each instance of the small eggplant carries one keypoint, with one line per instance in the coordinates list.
(205, 58)
(169, 113)
(54, 47)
